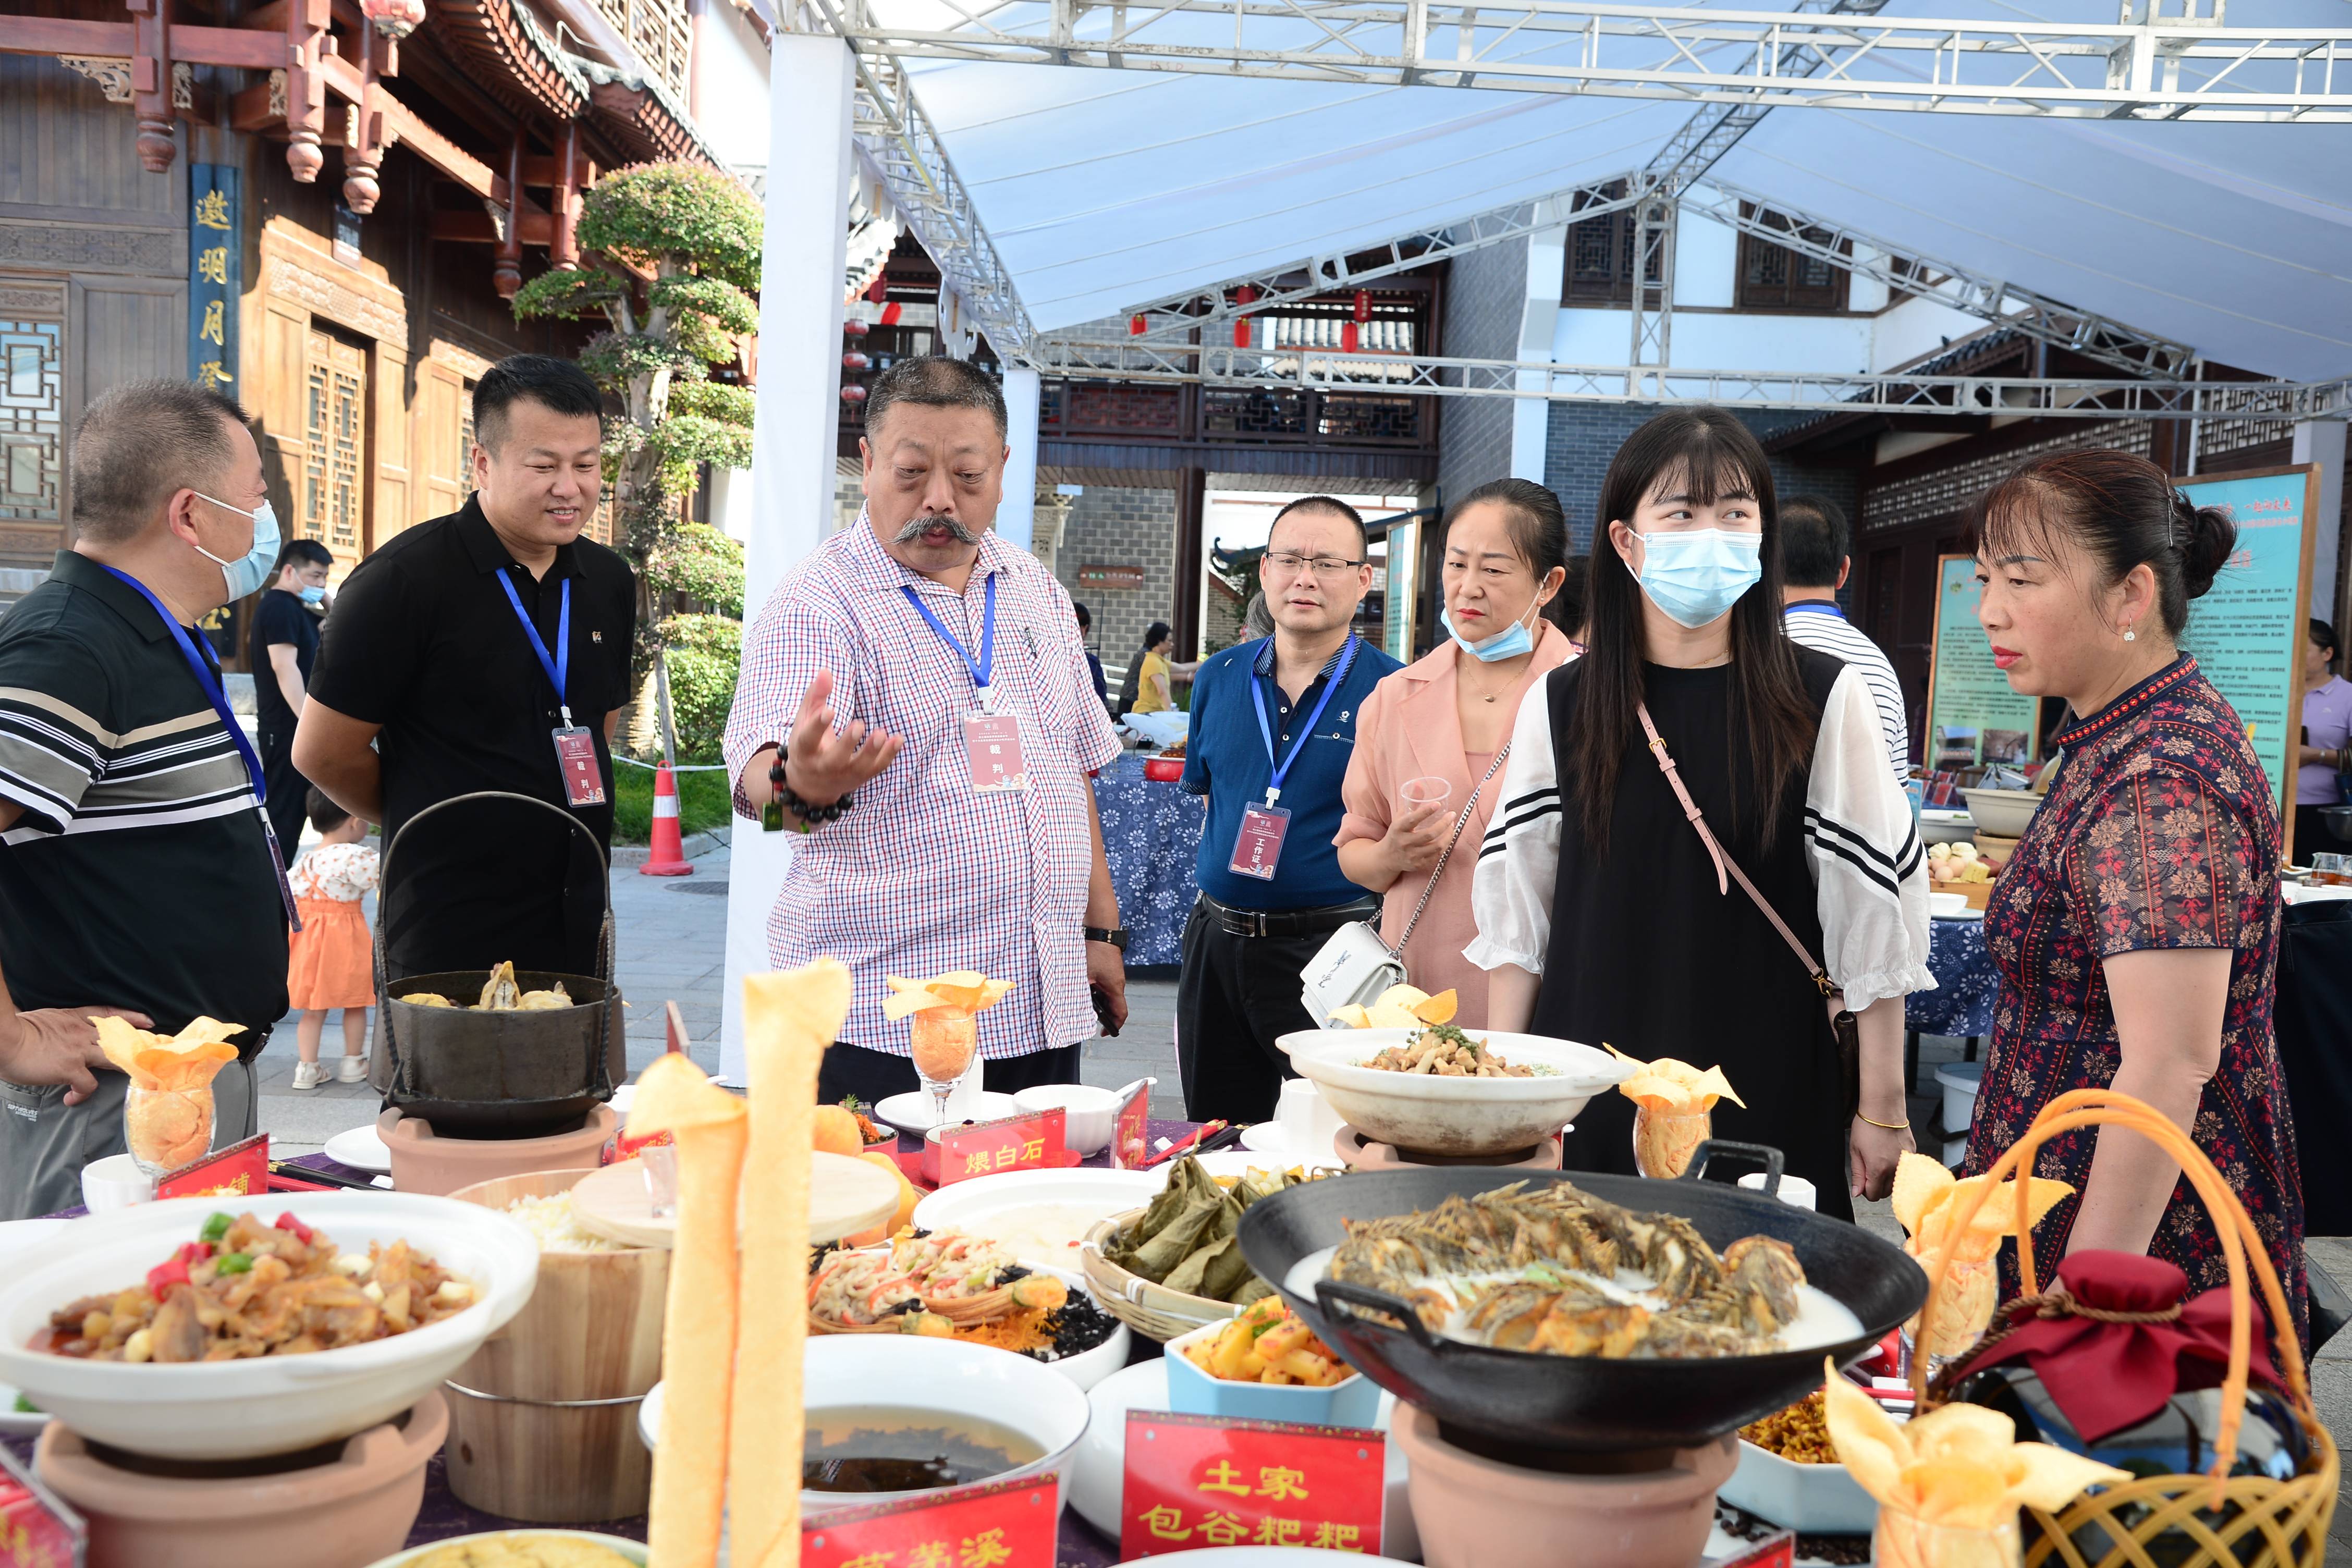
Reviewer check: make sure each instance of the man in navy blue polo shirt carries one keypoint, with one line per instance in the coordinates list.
(1274, 724)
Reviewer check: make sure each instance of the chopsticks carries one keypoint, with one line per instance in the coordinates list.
(1203, 1136)
(287, 1170)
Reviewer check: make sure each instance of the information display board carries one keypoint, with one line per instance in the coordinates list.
(1973, 717)
(2247, 633)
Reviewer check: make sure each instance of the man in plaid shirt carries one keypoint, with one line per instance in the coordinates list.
(939, 727)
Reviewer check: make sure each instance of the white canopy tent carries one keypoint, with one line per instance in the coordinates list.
(1058, 195)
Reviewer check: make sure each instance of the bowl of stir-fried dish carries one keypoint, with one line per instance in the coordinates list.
(1439, 1090)
(224, 1329)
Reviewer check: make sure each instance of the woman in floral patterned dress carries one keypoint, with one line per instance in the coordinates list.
(2136, 926)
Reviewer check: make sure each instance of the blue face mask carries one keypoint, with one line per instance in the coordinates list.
(1501, 645)
(1697, 575)
(313, 595)
(247, 573)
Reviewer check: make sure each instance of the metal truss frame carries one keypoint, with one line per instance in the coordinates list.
(2182, 67)
(1885, 391)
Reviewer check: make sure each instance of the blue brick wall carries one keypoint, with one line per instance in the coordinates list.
(1486, 296)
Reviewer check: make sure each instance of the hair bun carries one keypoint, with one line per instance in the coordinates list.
(2207, 536)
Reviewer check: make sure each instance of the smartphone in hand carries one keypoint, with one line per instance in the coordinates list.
(1102, 1011)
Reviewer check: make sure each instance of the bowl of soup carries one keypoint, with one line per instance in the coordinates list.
(892, 1417)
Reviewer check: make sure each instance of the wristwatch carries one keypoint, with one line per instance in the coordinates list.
(1115, 935)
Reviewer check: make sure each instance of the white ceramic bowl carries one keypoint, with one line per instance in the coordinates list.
(1946, 906)
(1819, 1498)
(1091, 1112)
(2004, 813)
(1461, 1116)
(986, 1206)
(272, 1404)
(634, 1551)
(115, 1183)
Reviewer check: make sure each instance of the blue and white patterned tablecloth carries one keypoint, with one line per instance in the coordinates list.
(1152, 834)
(1966, 982)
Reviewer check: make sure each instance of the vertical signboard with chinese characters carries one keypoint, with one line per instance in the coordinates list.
(1973, 715)
(213, 253)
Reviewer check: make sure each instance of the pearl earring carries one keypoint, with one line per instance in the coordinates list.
(2131, 636)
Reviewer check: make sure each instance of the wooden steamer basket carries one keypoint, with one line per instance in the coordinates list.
(1151, 1309)
(2276, 1524)
(543, 1418)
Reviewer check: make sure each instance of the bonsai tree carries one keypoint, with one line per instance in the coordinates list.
(670, 256)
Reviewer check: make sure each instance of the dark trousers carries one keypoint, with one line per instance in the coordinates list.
(1237, 996)
(289, 792)
(874, 1076)
(2312, 837)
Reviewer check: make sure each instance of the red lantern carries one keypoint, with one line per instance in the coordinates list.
(856, 362)
(890, 314)
(854, 327)
(1135, 326)
(1348, 337)
(1245, 295)
(852, 393)
(880, 287)
(1363, 305)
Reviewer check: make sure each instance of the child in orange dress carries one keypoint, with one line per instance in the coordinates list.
(329, 963)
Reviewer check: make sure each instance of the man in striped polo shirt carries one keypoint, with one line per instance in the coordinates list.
(135, 870)
(1813, 564)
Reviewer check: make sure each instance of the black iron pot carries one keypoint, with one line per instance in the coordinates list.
(1495, 1401)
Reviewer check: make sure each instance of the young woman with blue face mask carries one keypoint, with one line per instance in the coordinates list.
(1444, 718)
(1602, 914)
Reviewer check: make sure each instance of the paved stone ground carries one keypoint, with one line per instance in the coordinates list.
(671, 937)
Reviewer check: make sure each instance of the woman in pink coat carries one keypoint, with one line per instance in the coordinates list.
(1446, 716)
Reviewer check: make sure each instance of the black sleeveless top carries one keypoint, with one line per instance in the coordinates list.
(1647, 956)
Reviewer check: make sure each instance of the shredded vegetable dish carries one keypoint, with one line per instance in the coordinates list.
(243, 1287)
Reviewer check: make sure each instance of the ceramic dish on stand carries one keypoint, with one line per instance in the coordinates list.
(1454, 1117)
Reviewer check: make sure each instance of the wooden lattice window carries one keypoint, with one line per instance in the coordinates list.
(466, 438)
(659, 32)
(334, 458)
(1601, 257)
(1775, 278)
(32, 420)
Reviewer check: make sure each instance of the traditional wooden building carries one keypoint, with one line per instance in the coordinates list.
(285, 200)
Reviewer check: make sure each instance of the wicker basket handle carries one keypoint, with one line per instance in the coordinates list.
(2240, 1242)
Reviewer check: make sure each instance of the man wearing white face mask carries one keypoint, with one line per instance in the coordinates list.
(136, 864)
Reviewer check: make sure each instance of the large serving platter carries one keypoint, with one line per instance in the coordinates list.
(1454, 1117)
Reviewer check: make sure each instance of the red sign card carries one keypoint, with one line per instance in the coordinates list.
(1776, 1550)
(1196, 1482)
(239, 1171)
(1033, 1143)
(1005, 1524)
(37, 1529)
(1131, 1135)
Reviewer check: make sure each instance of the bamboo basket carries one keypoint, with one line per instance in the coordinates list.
(2278, 1524)
(1151, 1309)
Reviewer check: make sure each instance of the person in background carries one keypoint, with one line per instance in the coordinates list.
(1448, 715)
(1813, 541)
(1257, 621)
(875, 680)
(1568, 611)
(2136, 926)
(331, 966)
(2326, 734)
(446, 669)
(285, 646)
(1152, 693)
(1602, 913)
(1093, 659)
(1273, 725)
(135, 861)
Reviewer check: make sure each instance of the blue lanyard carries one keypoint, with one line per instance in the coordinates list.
(207, 677)
(1265, 732)
(559, 666)
(982, 666)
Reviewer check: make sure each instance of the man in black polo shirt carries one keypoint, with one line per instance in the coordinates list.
(445, 650)
(135, 870)
(284, 646)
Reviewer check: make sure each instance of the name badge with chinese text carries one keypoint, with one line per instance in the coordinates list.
(991, 744)
(576, 754)
(1199, 1481)
(1258, 848)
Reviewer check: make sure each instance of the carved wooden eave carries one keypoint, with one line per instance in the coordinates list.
(642, 116)
(513, 58)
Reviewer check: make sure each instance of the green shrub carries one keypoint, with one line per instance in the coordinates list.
(702, 653)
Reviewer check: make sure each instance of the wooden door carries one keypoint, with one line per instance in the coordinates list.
(333, 500)
(443, 439)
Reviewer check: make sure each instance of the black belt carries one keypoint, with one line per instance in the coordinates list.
(1318, 922)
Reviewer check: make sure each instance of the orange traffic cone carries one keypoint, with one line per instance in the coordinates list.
(668, 857)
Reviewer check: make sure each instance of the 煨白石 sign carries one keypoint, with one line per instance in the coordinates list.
(2247, 632)
(1973, 717)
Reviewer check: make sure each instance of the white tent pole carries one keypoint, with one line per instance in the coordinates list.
(1016, 514)
(802, 279)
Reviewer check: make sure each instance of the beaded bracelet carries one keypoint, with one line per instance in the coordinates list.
(782, 799)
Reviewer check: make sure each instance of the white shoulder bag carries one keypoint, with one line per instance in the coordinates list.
(1354, 965)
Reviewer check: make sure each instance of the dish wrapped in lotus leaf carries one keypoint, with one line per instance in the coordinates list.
(1188, 1236)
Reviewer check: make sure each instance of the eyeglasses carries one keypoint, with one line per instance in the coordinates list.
(1288, 560)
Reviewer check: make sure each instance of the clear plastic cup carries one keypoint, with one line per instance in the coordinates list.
(1427, 790)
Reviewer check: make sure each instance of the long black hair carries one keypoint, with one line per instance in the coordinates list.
(1706, 453)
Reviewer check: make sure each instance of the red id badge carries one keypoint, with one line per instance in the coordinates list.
(1257, 848)
(576, 754)
(992, 743)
